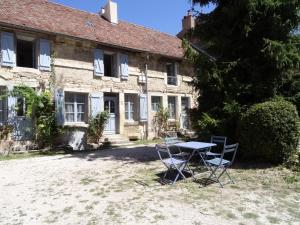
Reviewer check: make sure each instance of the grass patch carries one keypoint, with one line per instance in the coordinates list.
(112, 210)
(67, 210)
(230, 215)
(250, 215)
(294, 178)
(27, 155)
(159, 217)
(273, 220)
(87, 181)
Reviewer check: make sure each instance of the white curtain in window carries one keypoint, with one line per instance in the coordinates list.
(70, 112)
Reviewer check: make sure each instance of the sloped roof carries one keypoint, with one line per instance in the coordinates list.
(54, 18)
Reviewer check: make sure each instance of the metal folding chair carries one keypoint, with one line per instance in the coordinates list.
(222, 164)
(171, 141)
(173, 162)
(220, 141)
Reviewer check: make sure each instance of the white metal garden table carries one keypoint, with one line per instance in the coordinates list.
(196, 147)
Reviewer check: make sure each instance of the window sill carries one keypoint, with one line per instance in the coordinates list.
(26, 70)
(71, 124)
(131, 123)
(114, 79)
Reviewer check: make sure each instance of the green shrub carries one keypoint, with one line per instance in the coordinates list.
(96, 127)
(5, 131)
(160, 121)
(269, 131)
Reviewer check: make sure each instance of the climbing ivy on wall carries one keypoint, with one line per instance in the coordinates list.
(41, 110)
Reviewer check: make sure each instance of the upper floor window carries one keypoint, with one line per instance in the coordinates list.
(26, 56)
(110, 65)
(171, 74)
(75, 107)
(155, 103)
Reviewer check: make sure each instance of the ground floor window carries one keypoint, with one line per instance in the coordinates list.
(131, 106)
(21, 107)
(75, 107)
(185, 104)
(172, 107)
(3, 105)
(156, 102)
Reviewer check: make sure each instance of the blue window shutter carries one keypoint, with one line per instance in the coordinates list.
(11, 106)
(124, 66)
(60, 106)
(8, 49)
(97, 104)
(45, 52)
(143, 108)
(98, 62)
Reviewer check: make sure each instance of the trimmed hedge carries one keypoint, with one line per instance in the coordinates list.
(269, 131)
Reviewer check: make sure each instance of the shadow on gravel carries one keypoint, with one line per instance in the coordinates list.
(128, 155)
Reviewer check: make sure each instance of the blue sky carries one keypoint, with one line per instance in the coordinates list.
(162, 15)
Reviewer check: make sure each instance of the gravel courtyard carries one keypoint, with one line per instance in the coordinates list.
(120, 186)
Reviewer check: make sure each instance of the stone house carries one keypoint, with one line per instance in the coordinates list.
(91, 62)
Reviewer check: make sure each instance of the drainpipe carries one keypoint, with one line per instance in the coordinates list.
(147, 96)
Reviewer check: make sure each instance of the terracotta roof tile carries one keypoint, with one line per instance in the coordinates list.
(54, 18)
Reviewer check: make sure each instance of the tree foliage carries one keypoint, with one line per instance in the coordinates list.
(254, 56)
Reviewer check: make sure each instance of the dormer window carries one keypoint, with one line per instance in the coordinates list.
(171, 74)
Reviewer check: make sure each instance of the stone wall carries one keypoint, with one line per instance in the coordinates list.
(73, 71)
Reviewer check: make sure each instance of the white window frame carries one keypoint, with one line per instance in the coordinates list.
(75, 104)
(188, 103)
(114, 66)
(130, 102)
(175, 107)
(154, 105)
(35, 52)
(172, 79)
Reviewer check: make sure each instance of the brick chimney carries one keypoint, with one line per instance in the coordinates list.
(188, 22)
(110, 12)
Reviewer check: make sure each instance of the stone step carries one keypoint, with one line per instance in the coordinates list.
(116, 139)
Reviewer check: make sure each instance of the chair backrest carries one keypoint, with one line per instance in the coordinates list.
(162, 150)
(172, 140)
(218, 140)
(230, 149)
